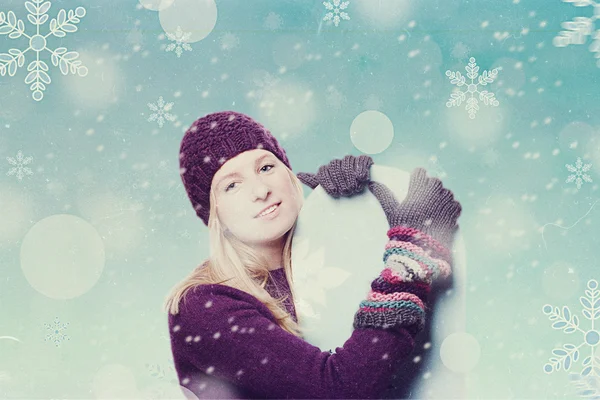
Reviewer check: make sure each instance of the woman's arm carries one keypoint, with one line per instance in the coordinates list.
(230, 335)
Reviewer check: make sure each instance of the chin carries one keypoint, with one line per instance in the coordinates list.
(269, 231)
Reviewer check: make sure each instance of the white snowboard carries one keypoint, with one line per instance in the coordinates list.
(338, 250)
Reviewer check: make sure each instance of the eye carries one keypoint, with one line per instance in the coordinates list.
(266, 165)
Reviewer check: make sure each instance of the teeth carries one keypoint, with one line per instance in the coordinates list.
(269, 210)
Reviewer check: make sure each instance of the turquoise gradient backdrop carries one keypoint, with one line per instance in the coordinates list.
(95, 225)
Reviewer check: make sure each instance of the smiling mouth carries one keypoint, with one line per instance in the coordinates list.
(271, 212)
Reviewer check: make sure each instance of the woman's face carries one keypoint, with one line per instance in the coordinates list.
(260, 179)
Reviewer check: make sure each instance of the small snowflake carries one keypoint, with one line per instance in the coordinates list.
(135, 37)
(579, 173)
(67, 61)
(161, 112)
(569, 353)
(472, 73)
(229, 41)
(460, 51)
(265, 83)
(19, 162)
(490, 157)
(580, 28)
(335, 12)
(161, 372)
(180, 38)
(335, 98)
(273, 21)
(55, 332)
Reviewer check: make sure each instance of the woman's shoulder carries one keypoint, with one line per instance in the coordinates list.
(218, 299)
(219, 291)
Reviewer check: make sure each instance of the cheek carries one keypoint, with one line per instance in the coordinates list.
(224, 209)
(234, 208)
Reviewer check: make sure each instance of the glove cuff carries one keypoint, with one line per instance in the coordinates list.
(437, 249)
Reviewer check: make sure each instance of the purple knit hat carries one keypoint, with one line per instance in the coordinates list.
(210, 142)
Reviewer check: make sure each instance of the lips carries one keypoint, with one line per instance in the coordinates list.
(266, 208)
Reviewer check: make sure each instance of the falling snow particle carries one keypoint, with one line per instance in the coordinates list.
(67, 61)
(55, 332)
(458, 79)
(20, 170)
(161, 112)
(180, 38)
(334, 13)
(579, 173)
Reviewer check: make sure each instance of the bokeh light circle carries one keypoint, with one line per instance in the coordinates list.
(371, 132)
(156, 5)
(62, 256)
(198, 18)
(460, 352)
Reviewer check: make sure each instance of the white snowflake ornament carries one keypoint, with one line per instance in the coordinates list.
(55, 332)
(67, 61)
(568, 355)
(180, 38)
(579, 173)
(457, 97)
(20, 162)
(335, 13)
(161, 112)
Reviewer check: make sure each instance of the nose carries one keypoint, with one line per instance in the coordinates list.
(260, 190)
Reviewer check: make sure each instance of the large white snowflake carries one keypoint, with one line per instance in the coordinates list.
(580, 28)
(67, 61)
(335, 13)
(569, 353)
(579, 173)
(20, 162)
(457, 97)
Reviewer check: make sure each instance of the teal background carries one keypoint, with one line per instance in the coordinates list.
(531, 237)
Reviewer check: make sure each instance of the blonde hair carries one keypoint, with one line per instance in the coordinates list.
(237, 265)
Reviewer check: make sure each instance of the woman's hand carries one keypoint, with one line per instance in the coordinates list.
(341, 178)
(428, 207)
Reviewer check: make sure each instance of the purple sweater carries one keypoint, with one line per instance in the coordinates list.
(226, 344)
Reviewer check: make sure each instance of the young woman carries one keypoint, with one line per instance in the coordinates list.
(232, 322)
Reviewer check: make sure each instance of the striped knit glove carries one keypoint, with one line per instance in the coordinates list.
(399, 295)
(394, 304)
(426, 217)
(417, 254)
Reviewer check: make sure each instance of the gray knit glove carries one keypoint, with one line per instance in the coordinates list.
(341, 178)
(428, 207)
